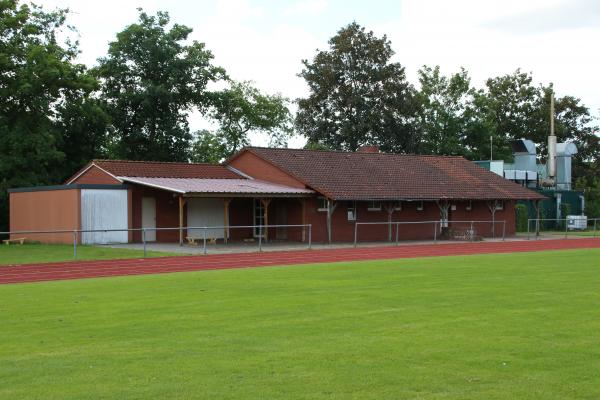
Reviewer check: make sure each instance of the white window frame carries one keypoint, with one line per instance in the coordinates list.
(398, 205)
(373, 205)
(258, 218)
(420, 205)
(500, 205)
(319, 205)
(352, 211)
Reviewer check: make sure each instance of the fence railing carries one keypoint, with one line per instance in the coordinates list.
(538, 226)
(205, 237)
(437, 226)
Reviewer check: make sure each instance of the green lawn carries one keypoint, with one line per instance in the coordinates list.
(514, 326)
(39, 253)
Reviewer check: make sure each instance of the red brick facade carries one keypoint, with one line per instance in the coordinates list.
(96, 176)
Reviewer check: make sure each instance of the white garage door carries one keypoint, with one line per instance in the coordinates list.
(205, 212)
(103, 209)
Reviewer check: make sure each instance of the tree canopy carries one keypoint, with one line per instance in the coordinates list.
(357, 96)
(43, 91)
(150, 81)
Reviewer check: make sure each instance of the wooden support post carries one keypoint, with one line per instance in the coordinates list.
(265, 203)
(331, 205)
(226, 202)
(303, 203)
(444, 207)
(389, 208)
(182, 202)
(493, 206)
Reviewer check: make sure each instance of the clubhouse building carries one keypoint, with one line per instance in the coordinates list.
(330, 190)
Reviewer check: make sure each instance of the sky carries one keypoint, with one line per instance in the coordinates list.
(264, 41)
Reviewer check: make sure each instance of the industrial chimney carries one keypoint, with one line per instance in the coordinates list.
(551, 162)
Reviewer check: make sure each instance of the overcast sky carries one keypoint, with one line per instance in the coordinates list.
(265, 40)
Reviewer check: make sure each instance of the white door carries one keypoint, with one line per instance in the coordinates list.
(149, 217)
(206, 212)
(104, 209)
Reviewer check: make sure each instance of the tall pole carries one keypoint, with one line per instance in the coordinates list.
(491, 148)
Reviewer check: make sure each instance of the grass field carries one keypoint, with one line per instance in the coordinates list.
(38, 253)
(514, 326)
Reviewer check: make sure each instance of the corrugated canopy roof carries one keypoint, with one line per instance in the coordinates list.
(383, 176)
(218, 186)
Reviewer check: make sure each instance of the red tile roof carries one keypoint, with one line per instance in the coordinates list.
(156, 169)
(382, 176)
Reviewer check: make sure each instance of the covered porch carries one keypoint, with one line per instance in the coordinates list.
(222, 210)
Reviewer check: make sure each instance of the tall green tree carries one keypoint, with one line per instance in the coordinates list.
(38, 80)
(242, 109)
(208, 148)
(512, 107)
(151, 79)
(358, 96)
(446, 104)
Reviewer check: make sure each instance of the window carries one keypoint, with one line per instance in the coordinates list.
(420, 206)
(321, 204)
(469, 205)
(499, 205)
(351, 211)
(259, 218)
(397, 206)
(373, 205)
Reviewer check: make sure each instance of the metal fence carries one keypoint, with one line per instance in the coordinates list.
(470, 233)
(77, 234)
(538, 225)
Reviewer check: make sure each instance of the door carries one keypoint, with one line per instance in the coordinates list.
(208, 212)
(149, 217)
(281, 211)
(104, 209)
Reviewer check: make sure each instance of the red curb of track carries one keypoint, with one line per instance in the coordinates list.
(107, 268)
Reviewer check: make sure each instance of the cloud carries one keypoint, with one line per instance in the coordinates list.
(306, 8)
(564, 15)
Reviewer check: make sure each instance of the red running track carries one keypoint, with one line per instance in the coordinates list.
(106, 268)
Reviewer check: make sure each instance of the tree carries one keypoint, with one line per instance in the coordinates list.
(445, 110)
(150, 81)
(357, 96)
(241, 109)
(512, 107)
(38, 79)
(208, 148)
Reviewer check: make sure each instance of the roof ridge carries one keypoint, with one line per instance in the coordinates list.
(352, 152)
(155, 162)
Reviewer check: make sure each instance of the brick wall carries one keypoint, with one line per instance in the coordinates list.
(96, 176)
(258, 168)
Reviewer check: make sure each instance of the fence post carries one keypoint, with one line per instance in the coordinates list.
(144, 240)
(595, 220)
(355, 233)
(397, 226)
(75, 244)
(435, 232)
(204, 241)
(528, 223)
(260, 238)
(309, 236)
(566, 228)
(503, 230)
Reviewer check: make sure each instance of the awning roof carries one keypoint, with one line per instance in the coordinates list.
(197, 186)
